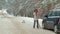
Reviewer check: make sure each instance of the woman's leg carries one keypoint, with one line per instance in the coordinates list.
(34, 24)
(37, 24)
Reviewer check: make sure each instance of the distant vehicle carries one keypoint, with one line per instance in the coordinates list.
(52, 20)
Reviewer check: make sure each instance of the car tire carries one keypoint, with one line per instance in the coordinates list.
(55, 29)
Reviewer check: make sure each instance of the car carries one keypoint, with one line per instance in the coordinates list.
(51, 20)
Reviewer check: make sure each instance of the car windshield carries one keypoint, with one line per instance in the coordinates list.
(54, 13)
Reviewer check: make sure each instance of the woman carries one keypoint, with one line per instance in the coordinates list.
(35, 17)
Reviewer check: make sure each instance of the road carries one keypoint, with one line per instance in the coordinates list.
(12, 25)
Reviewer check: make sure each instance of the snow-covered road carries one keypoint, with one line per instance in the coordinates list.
(10, 24)
(13, 25)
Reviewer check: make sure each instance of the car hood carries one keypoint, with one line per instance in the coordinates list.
(54, 17)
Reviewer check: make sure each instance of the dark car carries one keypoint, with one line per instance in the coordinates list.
(52, 20)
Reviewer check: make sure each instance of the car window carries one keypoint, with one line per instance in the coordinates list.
(58, 13)
(54, 13)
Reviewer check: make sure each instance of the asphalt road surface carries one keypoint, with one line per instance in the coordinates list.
(14, 26)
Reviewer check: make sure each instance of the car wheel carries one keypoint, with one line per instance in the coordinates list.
(55, 29)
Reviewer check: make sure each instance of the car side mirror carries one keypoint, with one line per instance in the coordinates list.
(46, 15)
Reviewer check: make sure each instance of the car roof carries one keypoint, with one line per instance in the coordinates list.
(55, 10)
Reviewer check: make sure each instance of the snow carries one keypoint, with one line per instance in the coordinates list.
(27, 20)
(14, 25)
(19, 25)
(30, 21)
(3, 13)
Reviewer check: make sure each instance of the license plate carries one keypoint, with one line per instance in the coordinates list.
(49, 21)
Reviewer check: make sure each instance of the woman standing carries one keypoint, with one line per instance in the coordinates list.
(36, 17)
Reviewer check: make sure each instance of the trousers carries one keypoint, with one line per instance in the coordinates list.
(36, 21)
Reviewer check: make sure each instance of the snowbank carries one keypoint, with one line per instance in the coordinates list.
(3, 13)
